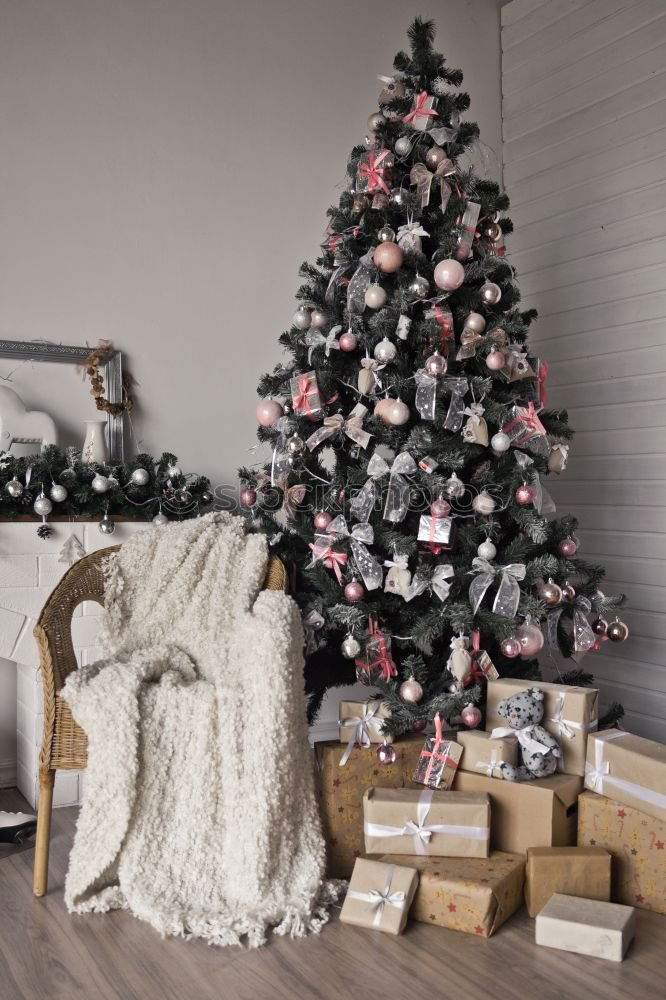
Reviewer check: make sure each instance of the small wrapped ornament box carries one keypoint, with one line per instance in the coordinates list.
(379, 896)
(305, 395)
(340, 794)
(570, 714)
(638, 845)
(473, 895)
(629, 769)
(438, 760)
(444, 824)
(374, 173)
(483, 755)
(524, 425)
(539, 813)
(360, 724)
(436, 531)
(422, 113)
(575, 871)
(586, 926)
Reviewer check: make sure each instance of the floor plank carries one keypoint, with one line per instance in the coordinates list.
(45, 953)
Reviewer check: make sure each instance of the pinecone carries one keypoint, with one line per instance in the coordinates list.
(27, 498)
(44, 531)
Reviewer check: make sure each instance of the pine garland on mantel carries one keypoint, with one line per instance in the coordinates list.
(93, 490)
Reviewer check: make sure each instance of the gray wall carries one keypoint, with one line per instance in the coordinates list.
(166, 166)
(585, 165)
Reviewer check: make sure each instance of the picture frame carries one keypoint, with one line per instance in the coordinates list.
(69, 354)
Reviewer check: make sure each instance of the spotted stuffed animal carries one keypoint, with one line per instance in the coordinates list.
(539, 750)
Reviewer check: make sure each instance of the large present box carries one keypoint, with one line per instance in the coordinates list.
(575, 871)
(570, 714)
(474, 895)
(526, 814)
(586, 927)
(360, 724)
(443, 824)
(637, 843)
(340, 794)
(379, 896)
(629, 769)
(484, 755)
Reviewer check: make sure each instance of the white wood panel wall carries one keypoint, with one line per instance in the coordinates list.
(584, 126)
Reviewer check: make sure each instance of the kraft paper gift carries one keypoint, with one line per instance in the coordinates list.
(526, 814)
(473, 895)
(379, 896)
(483, 755)
(443, 824)
(340, 794)
(629, 769)
(360, 724)
(575, 871)
(637, 843)
(586, 927)
(570, 714)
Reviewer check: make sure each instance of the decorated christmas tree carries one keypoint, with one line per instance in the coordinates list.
(410, 436)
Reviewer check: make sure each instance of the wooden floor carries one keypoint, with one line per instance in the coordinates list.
(45, 953)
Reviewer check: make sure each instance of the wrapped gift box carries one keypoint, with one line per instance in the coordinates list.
(570, 714)
(436, 530)
(483, 755)
(526, 814)
(474, 895)
(340, 794)
(361, 724)
(575, 871)
(305, 394)
(586, 927)
(379, 896)
(637, 843)
(443, 824)
(438, 760)
(629, 769)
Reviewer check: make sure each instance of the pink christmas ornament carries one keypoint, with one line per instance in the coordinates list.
(600, 626)
(268, 412)
(419, 725)
(388, 257)
(567, 547)
(354, 591)
(380, 408)
(440, 508)
(524, 494)
(471, 716)
(530, 638)
(568, 591)
(248, 497)
(449, 275)
(495, 361)
(411, 690)
(510, 647)
(322, 519)
(396, 413)
(386, 753)
(348, 341)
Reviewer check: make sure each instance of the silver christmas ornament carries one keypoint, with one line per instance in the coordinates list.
(100, 483)
(486, 550)
(207, 497)
(617, 631)
(500, 442)
(490, 293)
(399, 196)
(403, 146)
(58, 493)
(386, 235)
(434, 157)
(419, 287)
(376, 121)
(454, 487)
(14, 488)
(385, 351)
(42, 505)
(106, 525)
(435, 365)
(302, 318)
(160, 518)
(184, 496)
(318, 319)
(350, 647)
(411, 690)
(550, 593)
(174, 471)
(295, 445)
(140, 477)
(483, 503)
(476, 322)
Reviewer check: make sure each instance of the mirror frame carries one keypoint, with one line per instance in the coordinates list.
(38, 350)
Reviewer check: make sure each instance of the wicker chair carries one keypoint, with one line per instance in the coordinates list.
(64, 744)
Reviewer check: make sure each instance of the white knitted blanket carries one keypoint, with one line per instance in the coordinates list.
(199, 813)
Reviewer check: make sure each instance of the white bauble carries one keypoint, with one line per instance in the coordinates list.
(140, 477)
(385, 351)
(500, 442)
(475, 322)
(100, 483)
(375, 296)
(486, 550)
(396, 413)
(58, 493)
(301, 318)
(42, 506)
(483, 503)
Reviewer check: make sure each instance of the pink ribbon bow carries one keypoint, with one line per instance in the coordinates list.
(530, 418)
(542, 375)
(419, 110)
(301, 401)
(374, 171)
(332, 560)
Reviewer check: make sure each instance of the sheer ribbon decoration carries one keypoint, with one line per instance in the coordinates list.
(378, 659)
(583, 636)
(371, 171)
(377, 900)
(336, 277)
(423, 110)
(397, 499)
(421, 832)
(351, 425)
(323, 552)
(525, 737)
(360, 536)
(314, 338)
(507, 597)
(409, 234)
(443, 134)
(470, 340)
(543, 502)
(361, 726)
(454, 417)
(426, 394)
(424, 180)
(313, 624)
(361, 279)
(566, 728)
(438, 583)
(468, 225)
(280, 461)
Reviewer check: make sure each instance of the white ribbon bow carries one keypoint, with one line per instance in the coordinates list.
(507, 597)
(361, 724)
(422, 833)
(377, 900)
(599, 778)
(351, 425)
(396, 506)
(313, 338)
(525, 737)
(489, 766)
(360, 536)
(438, 583)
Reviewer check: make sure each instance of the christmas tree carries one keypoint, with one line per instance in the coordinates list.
(410, 437)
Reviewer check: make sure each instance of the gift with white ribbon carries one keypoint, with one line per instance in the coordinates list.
(404, 821)
(360, 724)
(628, 769)
(483, 753)
(379, 896)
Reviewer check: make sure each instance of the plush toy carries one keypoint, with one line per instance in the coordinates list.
(539, 750)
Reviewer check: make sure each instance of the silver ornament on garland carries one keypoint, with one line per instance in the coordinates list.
(100, 483)
(419, 287)
(42, 505)
(140, 477)
(207, 497)
(295, 445)
(58, 493)
(14, 488)
(403, 146)
(106, 525)
(454, 487)
(173, 471)
(350, 648)
(184, 496)
(386, 235)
